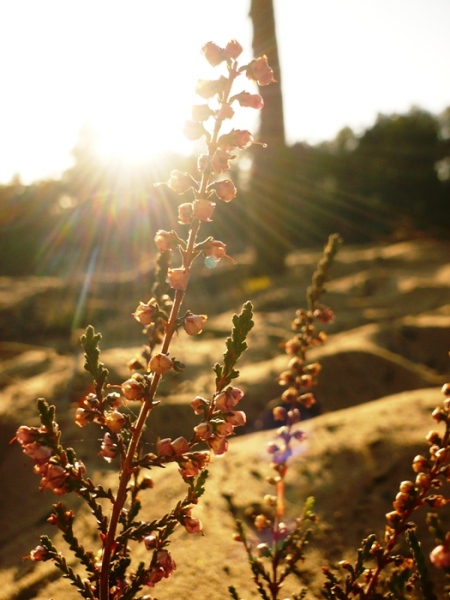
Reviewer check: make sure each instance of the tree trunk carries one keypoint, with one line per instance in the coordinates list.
(265, 197)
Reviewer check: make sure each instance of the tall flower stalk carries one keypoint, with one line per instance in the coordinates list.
(283, 546)
(111, 576)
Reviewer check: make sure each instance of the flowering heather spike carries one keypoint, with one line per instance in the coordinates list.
(246, 99)
(225, 189)
(259, 70)
(213, 53)
(112, 573)
(233, 49)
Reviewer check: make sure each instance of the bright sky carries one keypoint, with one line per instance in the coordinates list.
(129, 67)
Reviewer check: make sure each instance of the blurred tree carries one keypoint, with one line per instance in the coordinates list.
(266, 205)
(396, 163)
(27, 218)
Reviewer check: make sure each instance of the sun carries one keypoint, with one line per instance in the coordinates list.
(132, 132)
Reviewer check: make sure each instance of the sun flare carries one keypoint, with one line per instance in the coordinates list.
(133, 133)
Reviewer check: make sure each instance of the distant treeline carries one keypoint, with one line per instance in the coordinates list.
(393, 180)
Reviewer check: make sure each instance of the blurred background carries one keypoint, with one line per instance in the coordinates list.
(95, 95)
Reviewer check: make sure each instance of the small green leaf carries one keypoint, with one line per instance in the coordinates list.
(92, 365)
(424, 577)
(236, 344)
(233, 592)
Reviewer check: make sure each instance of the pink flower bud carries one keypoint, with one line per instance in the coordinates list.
(324, 314)
(261, 522)
(83, 417)
(91, 401)
(54, 479)
(220, 161)
(160, 364)
(237, 138)
(40, 553)
(145, 313)
(272, 448)
(213, 53)
(307, 400)
(166, 240)
(223, 429)
(225, 189)
(164, 447)
(219, 445)
(298, 435)
(294, 415)
(178, 278)
(192, 525)
(180, 182)
(292, 346)
(166, 561)
(115, 421)
(201, 459)
(109, 449)
(26, 435)
(203, 210)
(185, 213)
(193, 324)
(203, 431)
(237, 418)
(132, 389)
(208, 88)
(217, 250)
(40, 454)
(188, 469)
(279, 413)
(150, 542)
(246, 99)
(194, 130)
(154, 576)
(290, 395)
(199, 405)
(440, 557)
(226, 400)
(180, 445)
(233, 49)
(258, 70)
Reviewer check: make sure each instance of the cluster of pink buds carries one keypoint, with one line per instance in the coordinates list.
(179, 450)
(220, 418)
(102, 413)
(162, 567)
(281, 450)
(207, 120)
(54, 476)
(300, 377)
(193, 324)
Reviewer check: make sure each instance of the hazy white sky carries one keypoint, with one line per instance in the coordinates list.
(128, 68)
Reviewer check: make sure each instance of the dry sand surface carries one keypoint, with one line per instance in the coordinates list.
(383, 365)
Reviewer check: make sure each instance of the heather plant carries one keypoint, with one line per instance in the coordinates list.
(387, 568)
(280, 547)
(383, 568)
(275, 550)
(110, 572)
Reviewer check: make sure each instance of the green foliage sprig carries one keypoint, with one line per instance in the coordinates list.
(236, 345)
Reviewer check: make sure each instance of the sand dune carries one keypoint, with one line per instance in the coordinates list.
(383, 365)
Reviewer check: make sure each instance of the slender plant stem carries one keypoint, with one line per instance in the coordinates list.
(127, 467)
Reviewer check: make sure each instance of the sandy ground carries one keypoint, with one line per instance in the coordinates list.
(383, 365)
